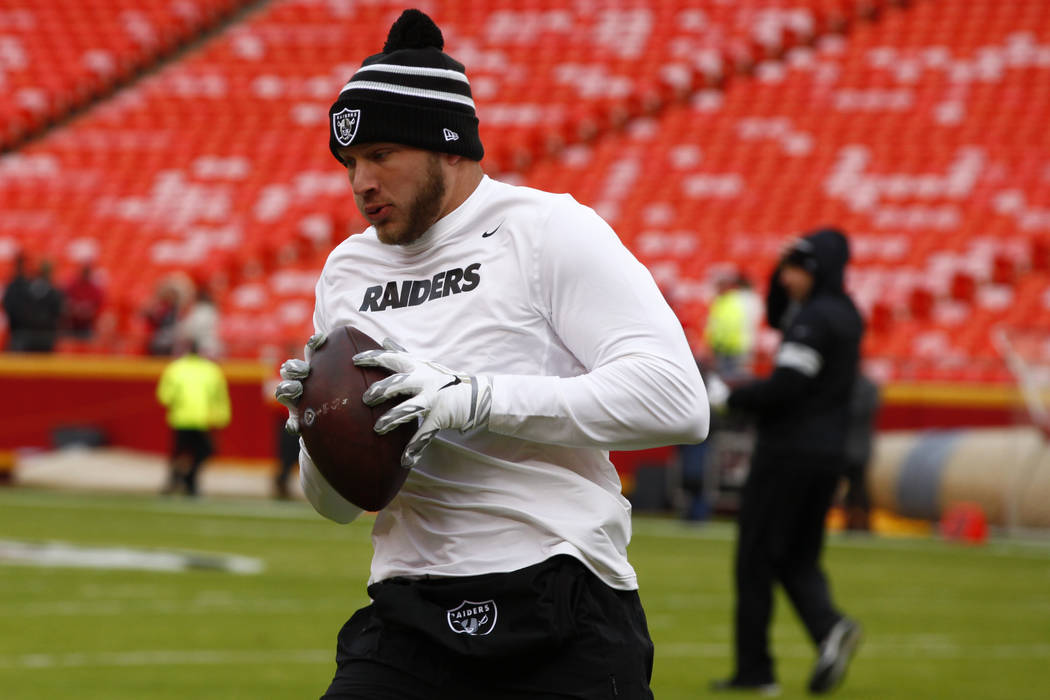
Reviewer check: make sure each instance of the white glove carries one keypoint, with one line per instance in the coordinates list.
(440, 396)
(717, 392)
(293, 372)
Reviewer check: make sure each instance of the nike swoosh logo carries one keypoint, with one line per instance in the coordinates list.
(489, 233)
(456, 380)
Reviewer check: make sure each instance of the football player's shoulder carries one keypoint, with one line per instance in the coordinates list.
(352, 252)
(356, 244)
(549, 213)
(539, 202)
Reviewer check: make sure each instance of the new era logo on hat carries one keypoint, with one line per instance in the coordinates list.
(451, 135)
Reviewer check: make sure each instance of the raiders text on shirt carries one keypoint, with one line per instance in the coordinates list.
(397, 295)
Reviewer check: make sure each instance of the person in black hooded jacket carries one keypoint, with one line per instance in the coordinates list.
(801, 413)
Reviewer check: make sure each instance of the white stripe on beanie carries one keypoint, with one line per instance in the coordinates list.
(408, 91)
(447, 73)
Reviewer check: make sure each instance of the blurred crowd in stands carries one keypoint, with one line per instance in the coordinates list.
(38, 310)
(41, 313)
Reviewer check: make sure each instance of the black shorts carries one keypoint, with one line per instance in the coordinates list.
(552, 630)
(195, 444)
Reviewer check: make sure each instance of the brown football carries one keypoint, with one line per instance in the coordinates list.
(337, 427)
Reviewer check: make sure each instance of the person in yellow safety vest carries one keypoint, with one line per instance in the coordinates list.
(193, 388)
(730, 329)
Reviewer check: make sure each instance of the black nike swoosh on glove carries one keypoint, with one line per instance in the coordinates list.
(454, 382)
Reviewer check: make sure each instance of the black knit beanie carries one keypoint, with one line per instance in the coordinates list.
(411, 93)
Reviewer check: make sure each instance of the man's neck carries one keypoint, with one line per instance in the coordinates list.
(467, 177)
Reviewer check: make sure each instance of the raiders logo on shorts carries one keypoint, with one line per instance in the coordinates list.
(471, 618)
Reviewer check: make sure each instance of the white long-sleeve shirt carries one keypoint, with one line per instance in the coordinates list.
(537, 292)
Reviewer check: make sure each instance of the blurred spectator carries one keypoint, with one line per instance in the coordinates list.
(193, 389)
(732, 325)
(84, 299)
(161, 318)
(34, 310)
(802, 414)
(729, 337)
(200, 325)
(863, 408)
(17, 306)
(286, 445)
(699, 484)
(756, 309)
(287, 457)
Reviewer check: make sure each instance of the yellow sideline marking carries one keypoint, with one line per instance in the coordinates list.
(951, 394)
(134, 367)
(115, 367)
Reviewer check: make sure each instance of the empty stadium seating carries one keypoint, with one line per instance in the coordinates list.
(58, 55)
(706, 132)
(922, 134)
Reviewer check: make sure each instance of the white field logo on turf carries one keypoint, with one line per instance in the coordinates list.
(344, 125)
(475, 619)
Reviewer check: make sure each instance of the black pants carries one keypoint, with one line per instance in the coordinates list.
(781, 535)
(190, 448)
(286, 446)
(858, 499)
(552, 630)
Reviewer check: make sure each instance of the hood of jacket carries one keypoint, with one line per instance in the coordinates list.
(824, 254)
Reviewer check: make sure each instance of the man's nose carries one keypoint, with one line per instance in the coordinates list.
(362, 179)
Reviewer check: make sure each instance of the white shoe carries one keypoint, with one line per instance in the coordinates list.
(835, 653)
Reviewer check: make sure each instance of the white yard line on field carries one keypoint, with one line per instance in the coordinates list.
(270, 510)
(66, 554)
(1027, 548)
(117, 608)
(919, 647)
(172, 657)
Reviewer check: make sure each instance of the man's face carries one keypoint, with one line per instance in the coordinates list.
(797, 281)
(398, 189)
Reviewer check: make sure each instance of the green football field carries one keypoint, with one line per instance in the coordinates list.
(942, 620)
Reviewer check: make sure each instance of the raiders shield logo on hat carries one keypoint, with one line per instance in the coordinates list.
(474, 619)
(344, 125)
